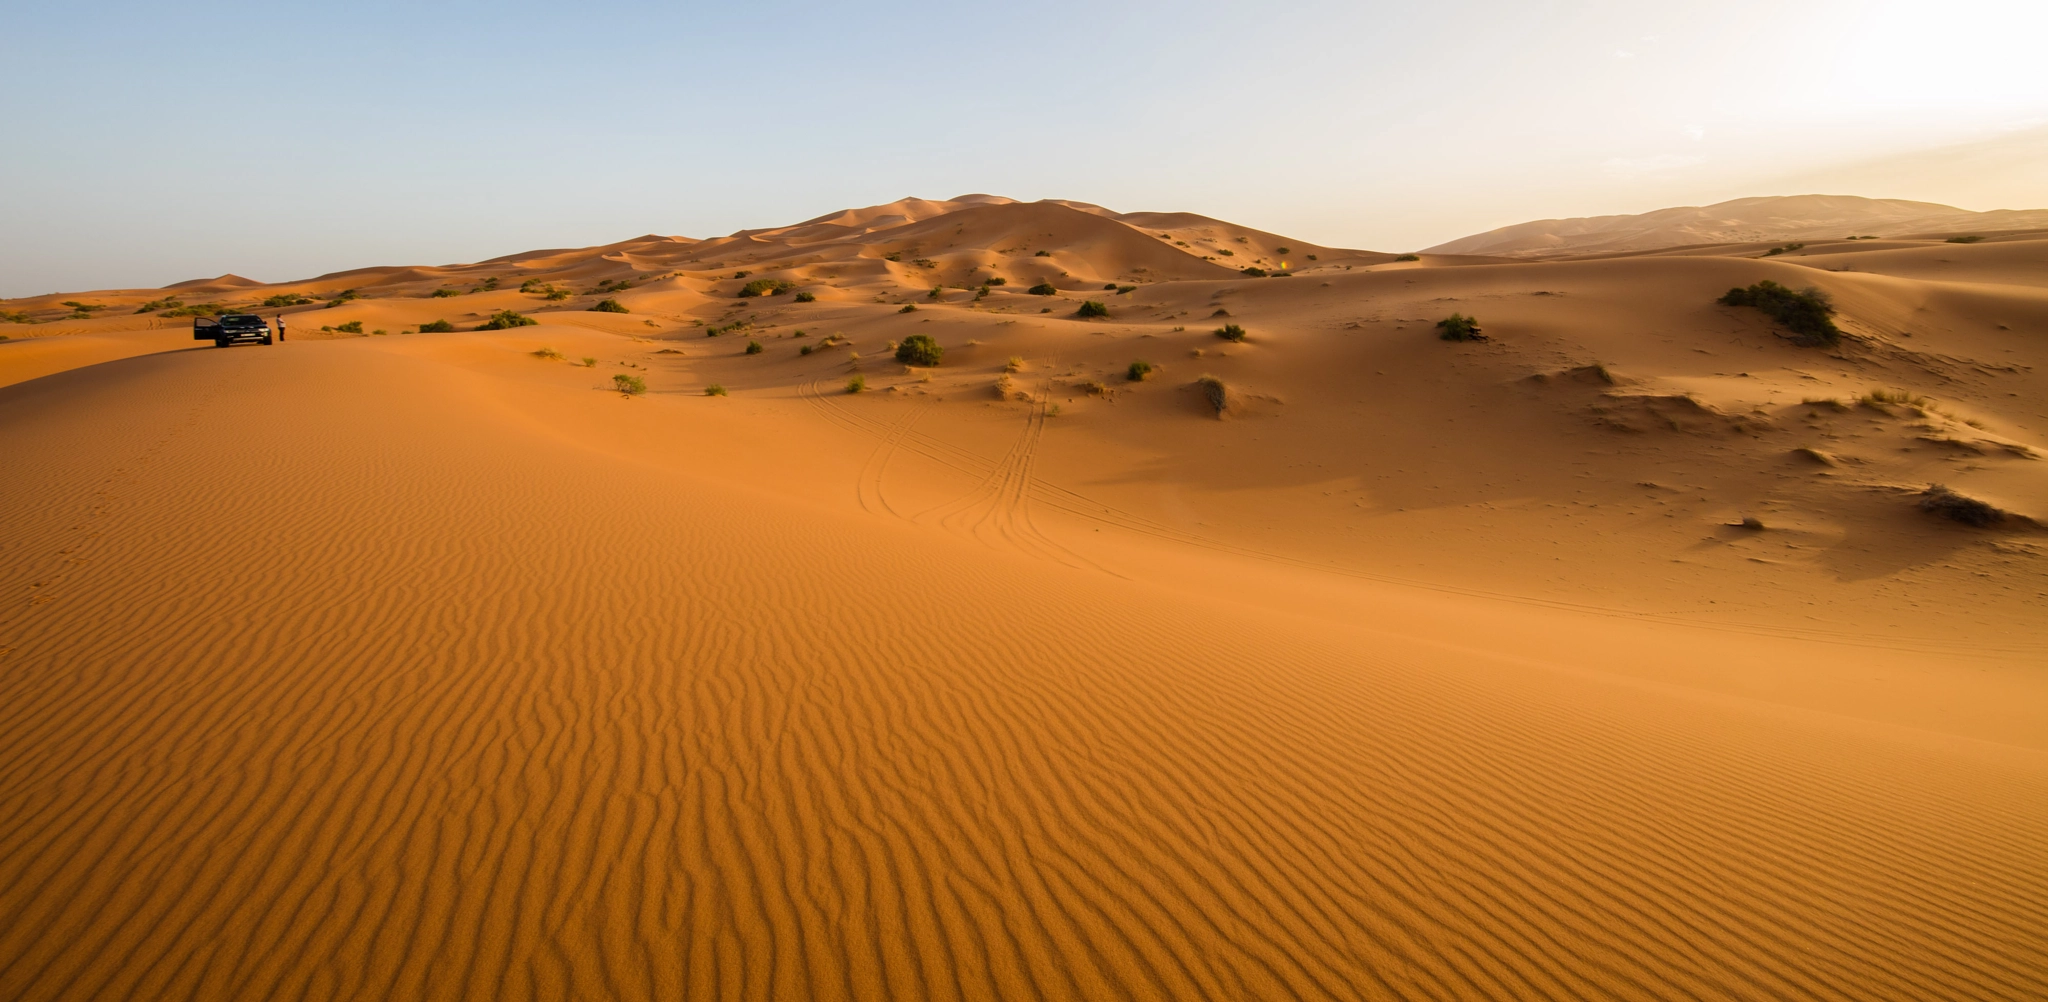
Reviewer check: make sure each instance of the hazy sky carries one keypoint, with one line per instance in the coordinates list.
(154, 142)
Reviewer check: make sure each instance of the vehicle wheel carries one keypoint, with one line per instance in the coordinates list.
(266, 339)
(221, 342)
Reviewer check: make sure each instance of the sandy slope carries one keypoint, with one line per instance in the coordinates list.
(421, 666)
(1773, 218)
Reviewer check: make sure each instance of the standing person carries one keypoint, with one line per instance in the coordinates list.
(280, 327)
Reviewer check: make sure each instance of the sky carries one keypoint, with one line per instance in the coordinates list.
(150, 143)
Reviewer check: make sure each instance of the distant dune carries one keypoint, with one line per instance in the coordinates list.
(1743, 220)
(1634, 652)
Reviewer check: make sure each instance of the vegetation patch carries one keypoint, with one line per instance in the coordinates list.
(857, 384)
(995, 280)
(919, 349)
(16, 317)
(547, 353)
(806, 297)
(1138, 371)
(714, 390)
(556, 295)
(352, 327)
(765, 287)
(1962, 508)
(908, 308)
(591, 363)
(1409, 257)
(609, 306)
(1214, 392)
(436, 294)
(1459, 327)
(1091, 308)
(505, 320)
(345, 295)
(1808, 314)
(1255, 272)
(1042, 254)
(1230, 332)
(150, 307)
(631, 386)
(754, 348)
(1786, 249)
(436, 327)
(1043, 289)
(1968, 238)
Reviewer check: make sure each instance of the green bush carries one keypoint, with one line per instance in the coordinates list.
(1091, 308)
(1138, 371)
(1226, 253)
(556, 295)
(1311, 257)
(856, 384)
(436, 327)
(530, 285)
(1786, 249)
(197, 310)
(765, 287)
(609, 306)
(629, 385)
(714, 390)
(805, 350)
(280, 300)
(1806, 313)
(996, 280)
(1459, 327)
(936, 292)
(506, 319)
(1230, 332)
(1124, 290)
(806, 297)
(487, 285)
(170, 304)
(589, 363)
(1409, 257)
(754, 348)
(437, 294)
(919, 349)
(1255, 272)
(547, 353)
(1214, 392)
(1043, 289)
(741, 274)
(908, 308)
(1970, 238)
(16, 317)
(1042, 254)
(352, 327)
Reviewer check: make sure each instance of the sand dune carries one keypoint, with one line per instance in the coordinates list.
(426, 666)
(1742, 220)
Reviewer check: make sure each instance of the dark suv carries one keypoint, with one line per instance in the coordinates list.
(232, 328)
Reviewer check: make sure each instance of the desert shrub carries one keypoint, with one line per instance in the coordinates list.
(436, 327)
(1311, 257)
(589, 363)
(1970, 238)
(1226, 253)
(1409, 257)
(765, 287)
(897, 256)
(530, 285)
(629, 385)
(754, 348)
(856, 384)
(806, 297)
(714, 390)
(611, 285)
(1214, 392)
(1806, 313)
(1015, 364)
(1255, 272)
(166, 304)
(488, 285)
(352, 327)
(1230, 332)
(609, 306)
(936, 292)
(996, 280)
(1046, 310)
(16, 317)
(506, 319)
(741, 274)
(1043, 289)
(1042, 254)
(83, 307)
(282, 299)
(437, 294)
(908, 308)
(555, 295)
(197, 310)
(1965, 509)
(924, 262)
(1109, 287)
(981, 294)
(548, 353)
(805, 350)
(919, 349)
(1281, 250)
(1459, 327)
(1126, 289)
(1091, 308)
(1094, 388)
(1786, 249)
(1138, 371)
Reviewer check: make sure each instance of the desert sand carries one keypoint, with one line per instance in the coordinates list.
(403, 665)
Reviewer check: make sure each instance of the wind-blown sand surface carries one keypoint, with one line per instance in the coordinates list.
(419, 666)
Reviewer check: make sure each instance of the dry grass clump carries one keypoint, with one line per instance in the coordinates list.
(589, 363)
(1825, 403)
(352, 327)
(1962, 508)
(631, 386)
(1015, 364)
(857, 384)
(1138, 371)
(1214, 392)
(714, 390)
(1230, 332)
(1094, 388)
(754, 348)
(547, 353)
